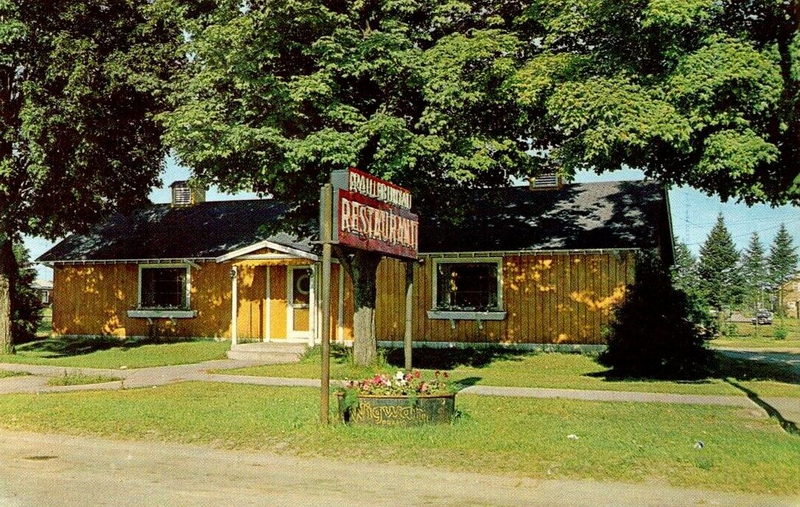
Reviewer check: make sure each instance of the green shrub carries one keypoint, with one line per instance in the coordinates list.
(656, 332)
(780, 332)
(26, 305)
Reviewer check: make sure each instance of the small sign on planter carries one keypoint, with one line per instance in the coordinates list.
(374, 410)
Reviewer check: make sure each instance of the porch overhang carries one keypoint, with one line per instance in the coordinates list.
(284, 252)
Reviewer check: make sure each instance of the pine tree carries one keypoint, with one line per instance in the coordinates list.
(718, 268)
(685, 279)
(684, 271)
(782, 264)
(26, 306)
(754, 272)
(653, 308)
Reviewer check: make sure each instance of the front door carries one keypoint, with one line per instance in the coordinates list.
(299, 311)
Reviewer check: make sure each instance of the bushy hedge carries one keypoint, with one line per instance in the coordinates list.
(657, 331)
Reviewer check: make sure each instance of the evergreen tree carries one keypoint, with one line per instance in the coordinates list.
(685, 279)
(26, 305)
(653, 333)
(754, 273)
(684, 271)
(782, 263)
(718, 268)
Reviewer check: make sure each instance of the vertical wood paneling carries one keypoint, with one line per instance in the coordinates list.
(548, 298)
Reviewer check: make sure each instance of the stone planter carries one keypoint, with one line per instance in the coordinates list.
(398, 410)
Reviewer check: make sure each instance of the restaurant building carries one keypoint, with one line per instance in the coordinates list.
(519, 266)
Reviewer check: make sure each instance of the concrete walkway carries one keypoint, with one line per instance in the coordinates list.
(36, 382)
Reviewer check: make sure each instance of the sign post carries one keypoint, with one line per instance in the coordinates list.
(361, 211)
(326, 220)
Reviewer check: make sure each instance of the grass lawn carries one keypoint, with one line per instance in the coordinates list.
(104, 352)
(78, 378)
(743, 451)
(761, 337)
(6, 373)
(46, 324)
(549, 370)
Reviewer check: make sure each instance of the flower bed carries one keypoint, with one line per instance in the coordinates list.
(405, 399)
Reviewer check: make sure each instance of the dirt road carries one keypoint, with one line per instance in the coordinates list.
(60, 470)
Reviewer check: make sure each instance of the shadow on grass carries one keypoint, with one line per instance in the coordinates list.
(788, 426)
(722, 368)
(447, 359)
(466, 382)
(75, 346)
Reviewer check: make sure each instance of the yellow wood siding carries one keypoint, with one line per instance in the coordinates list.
(549, 298)
(94, 300)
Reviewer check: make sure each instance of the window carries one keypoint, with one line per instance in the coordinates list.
(467, 286)
(164, 287)
(468, 289)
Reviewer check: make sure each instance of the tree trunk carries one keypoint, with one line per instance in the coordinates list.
(7, 276)
(364, 272)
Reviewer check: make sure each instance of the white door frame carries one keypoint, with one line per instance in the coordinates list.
(291, 334)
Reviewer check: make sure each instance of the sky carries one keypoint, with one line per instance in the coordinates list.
(693, 213)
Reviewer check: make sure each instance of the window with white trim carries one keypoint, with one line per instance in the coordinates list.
(164, 287)
(472, 285)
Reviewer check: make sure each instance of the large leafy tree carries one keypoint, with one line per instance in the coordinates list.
(754, 272)
(697, 92)
(782, 262)
(718, 268)
(79, 83)
(279, 93)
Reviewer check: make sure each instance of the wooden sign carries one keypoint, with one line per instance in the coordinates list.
(373, 214)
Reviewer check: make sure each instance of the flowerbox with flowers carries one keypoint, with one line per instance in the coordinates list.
(404, 399)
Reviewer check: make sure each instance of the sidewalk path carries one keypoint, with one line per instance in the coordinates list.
(41, 469)
(161, 375)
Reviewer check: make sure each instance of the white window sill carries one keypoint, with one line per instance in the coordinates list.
(162, 314)
(465, 315)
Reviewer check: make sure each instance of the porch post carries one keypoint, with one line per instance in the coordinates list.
(234, 304)
(312, 306)
(268, 307)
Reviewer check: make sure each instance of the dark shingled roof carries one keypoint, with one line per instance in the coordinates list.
(159, 231)
(621, 214)
(630, 214)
